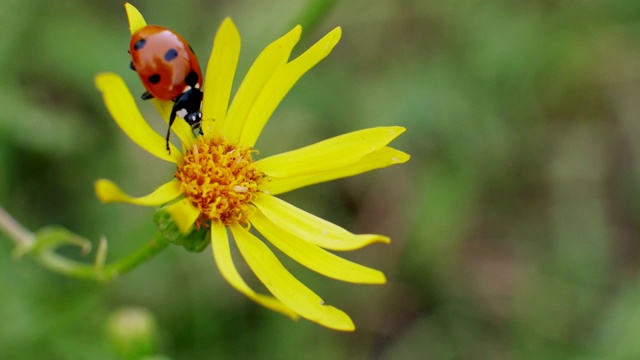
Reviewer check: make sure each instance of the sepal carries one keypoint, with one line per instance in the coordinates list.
(194, 241)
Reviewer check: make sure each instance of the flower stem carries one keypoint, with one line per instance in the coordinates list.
(41, 247)
(16, 232)
(144, 253)
(103, 272)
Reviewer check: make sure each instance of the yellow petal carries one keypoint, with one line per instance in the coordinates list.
(107, 191)
(184, 213)
(281, 82)
(208, 125)
(272, 57)
(136, 21)
(220, 72)
(224, 261)
(312, 228)
(379, 159)
(179, 127)
(124, 111)
(314, 257)
(163, 107)
(332, 153)
(284, 286)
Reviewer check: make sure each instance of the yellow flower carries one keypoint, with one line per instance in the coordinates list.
(218, 184)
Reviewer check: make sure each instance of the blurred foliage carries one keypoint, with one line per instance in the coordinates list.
(515, 225)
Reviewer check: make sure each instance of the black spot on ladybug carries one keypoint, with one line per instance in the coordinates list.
(191, 79)
(154, 79)
(131, 66)
(171, 54)
(139, 44)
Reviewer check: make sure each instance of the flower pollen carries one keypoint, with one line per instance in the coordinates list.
(220, 179)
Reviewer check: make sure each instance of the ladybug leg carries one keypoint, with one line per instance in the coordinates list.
(146, 96)
(171, 119)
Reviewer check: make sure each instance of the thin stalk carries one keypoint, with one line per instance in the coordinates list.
(27, 244)
(107, 272)
(16, 232)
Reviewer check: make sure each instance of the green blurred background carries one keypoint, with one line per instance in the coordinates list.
(515, 225)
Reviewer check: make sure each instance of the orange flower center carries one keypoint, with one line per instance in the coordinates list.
(220, 179)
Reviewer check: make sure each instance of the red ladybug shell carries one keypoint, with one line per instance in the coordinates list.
(164, 61)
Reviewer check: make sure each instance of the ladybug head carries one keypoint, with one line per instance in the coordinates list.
(194, 119)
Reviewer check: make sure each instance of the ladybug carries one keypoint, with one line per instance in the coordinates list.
(169, 70)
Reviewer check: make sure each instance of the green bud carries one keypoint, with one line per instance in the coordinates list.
(133, 332)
